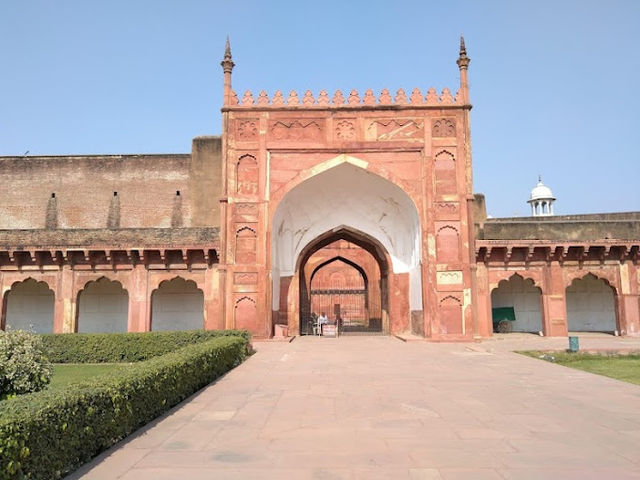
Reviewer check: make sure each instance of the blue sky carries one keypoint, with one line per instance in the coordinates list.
(553, 83)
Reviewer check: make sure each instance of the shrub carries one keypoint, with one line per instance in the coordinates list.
(23, 365)
(47, 434)
(125, 347)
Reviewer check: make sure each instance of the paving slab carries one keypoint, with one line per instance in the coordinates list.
(378, 407)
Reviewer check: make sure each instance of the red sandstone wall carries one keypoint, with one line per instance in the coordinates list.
(84, 186)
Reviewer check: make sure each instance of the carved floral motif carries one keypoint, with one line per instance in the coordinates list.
(345, 130)
(444, 127)
(247, 129)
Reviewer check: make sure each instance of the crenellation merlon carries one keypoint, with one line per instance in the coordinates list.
(354, 99)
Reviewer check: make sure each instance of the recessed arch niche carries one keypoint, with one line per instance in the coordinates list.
(103, 307)
(29, 305)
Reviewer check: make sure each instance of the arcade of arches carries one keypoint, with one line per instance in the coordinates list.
(359, 205)
(103, 306)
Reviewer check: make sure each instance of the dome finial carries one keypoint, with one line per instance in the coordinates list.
(539, 178)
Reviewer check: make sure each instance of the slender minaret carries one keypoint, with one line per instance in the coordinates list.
(463, 64)
(227, 67)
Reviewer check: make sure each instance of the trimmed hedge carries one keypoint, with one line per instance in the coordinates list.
(124, 347)
(48, 434)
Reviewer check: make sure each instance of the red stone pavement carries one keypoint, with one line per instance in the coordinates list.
(381, 408)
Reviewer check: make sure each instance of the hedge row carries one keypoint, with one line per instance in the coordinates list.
(48, 434)
(124, 347)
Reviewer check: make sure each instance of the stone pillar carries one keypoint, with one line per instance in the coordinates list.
(554, 303)
(484, 323)
(212, 295)
(3, 303)
(64, 311)
(139, 301)
(628, 301)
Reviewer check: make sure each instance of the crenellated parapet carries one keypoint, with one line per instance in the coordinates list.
(354, 99)
(416, 98)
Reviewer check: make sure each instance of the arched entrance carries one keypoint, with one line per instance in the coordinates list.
(29, 306)
(345, 276)
(345, 201)
(177, 304)
(103, 307)
(590, 305)
(526, 300)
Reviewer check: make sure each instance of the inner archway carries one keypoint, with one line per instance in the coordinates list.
(345, 275)
(342, 280)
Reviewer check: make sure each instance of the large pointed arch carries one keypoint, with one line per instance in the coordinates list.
(344, 193)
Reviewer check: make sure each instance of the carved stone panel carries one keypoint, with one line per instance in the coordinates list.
(247, 175)
(450, 315)
(247, 130)
(447, 211)
(445, 173)
(246, 314)
(395, 129)
(448, 244)
(297, 130)
(247, 212)
(245, 278)
(444, 127)
(345, 130)
(246, 244)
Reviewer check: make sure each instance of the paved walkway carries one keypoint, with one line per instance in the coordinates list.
(379, 408)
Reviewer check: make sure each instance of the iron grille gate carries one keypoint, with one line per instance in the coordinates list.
(354, 312)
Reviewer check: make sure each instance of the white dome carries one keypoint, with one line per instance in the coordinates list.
(541, 192)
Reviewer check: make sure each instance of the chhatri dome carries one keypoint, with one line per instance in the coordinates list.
(541, 200)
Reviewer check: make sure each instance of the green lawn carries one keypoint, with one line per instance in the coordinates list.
(66, 373)
(620, 367)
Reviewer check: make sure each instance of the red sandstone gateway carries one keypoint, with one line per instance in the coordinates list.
(360, 205)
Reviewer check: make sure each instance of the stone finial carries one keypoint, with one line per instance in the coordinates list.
(446, 98)
(263, 99)
(338, 98)
(323, 98)
(401, 97)
(278, 99)
(416, 97)
(463, 60)
(227, 62)
(432, 97)
(308, 98)
(247, 99)
(293, 98)
(369, 98)
(385, 98)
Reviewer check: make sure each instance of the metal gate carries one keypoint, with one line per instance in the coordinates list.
(351, 309)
